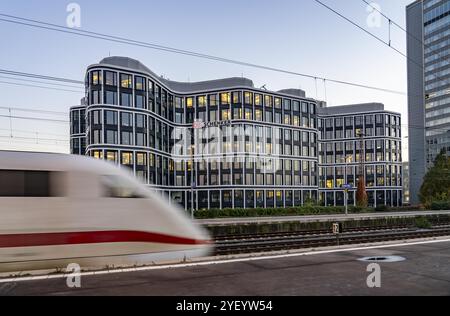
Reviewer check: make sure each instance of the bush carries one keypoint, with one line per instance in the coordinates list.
(382, 208)
(262, 212)
(422, 222)
(440, 205)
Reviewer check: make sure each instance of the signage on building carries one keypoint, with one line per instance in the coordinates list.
(199, 124)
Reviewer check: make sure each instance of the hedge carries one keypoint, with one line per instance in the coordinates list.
(440, 205)
(292, 211)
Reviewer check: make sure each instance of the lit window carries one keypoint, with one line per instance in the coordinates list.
(258, 99)
(125, 81)
(225, 115)
(258, 115)
(201, 101)
(111, 156)
(98, 154)
(248, 98)
(236, 97)
(225, 98)
(141, 159)
(329, 184)
(278, 103)
(96, 78)
(212, 100)
(127, 159)
(268, 101)
(189, 102)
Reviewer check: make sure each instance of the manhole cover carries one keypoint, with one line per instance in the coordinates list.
(388, 259)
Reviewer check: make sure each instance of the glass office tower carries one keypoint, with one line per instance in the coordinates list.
(428, 41)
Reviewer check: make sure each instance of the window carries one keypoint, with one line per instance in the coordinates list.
(304, 107)
(189, 102)
(110, 78)
(140, 101)
(111, 156)
(19, 183)
(225, 115)
(95, 97)
(212, 100)
(126, 119)
(126, 138)
(127, 158)
(111, 137)
(141, 121)
(201, 101)
(248, 98)
(269, 116)
(125, 81)
(225, 98)
(278, 103)
(259, 115)
(140, 83)
(268, 100)
(96, 77)
(237, 97)
(96, 118)
(287, 105)
(248, 114)
(258, 99)
(111, 97)
(125, 99)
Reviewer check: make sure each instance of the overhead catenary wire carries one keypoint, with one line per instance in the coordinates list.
(35, 119)
(58, 28)
(36, 139)
(37, 86)
(10, 108)
(367, 32)
(42, 82)
(29, 132)
(38, 76)
(391, 21)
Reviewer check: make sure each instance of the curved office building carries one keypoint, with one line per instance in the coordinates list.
(229, 143)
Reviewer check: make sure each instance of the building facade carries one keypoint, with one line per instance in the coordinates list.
(356, 138)
(428, 49)
(249, 148)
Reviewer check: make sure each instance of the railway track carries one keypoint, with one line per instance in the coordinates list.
(316, 232)
(242, 244)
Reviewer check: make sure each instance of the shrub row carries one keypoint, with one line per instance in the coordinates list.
(440, 205)
(293, 211)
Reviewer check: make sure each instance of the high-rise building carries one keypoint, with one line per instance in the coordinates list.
(250, 147)
(428, 50)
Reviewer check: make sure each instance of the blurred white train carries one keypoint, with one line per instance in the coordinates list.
(59, 209)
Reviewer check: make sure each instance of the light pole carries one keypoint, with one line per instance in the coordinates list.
(346, 185)
(196, 125)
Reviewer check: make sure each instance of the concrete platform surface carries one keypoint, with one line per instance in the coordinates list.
(426, 271)
(317, 218)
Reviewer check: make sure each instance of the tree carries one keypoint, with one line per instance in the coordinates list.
(436, 184)
(361, 194)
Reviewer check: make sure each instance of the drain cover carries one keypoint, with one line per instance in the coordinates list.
(388, 259)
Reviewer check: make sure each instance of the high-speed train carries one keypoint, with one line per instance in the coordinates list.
(58, 209)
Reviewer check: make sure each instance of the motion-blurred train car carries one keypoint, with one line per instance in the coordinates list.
(59, 209)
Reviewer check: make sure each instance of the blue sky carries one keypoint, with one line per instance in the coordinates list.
(297, 35)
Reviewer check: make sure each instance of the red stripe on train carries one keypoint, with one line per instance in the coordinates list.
(91, 237)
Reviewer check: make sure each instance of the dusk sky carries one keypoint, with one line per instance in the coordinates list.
(296, 35)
